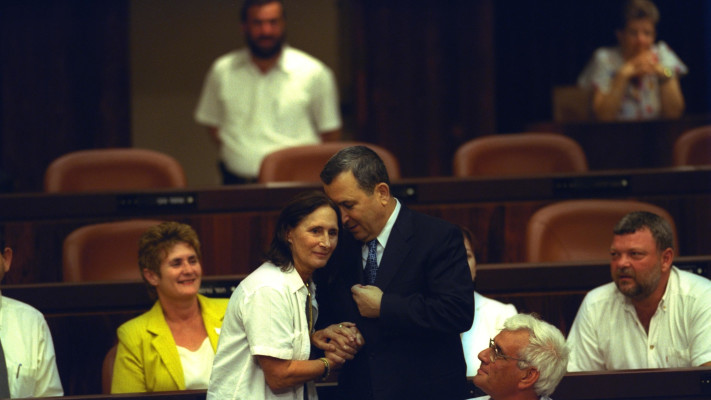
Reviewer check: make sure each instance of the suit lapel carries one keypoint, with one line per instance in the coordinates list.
(396, 249)
(164, 345)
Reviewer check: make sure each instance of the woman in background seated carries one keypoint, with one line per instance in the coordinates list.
(265, 345)
(639, 79)
(489, 315)
(172, 346)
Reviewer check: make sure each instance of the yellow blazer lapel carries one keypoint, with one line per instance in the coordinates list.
(213, 312)
(164, 345)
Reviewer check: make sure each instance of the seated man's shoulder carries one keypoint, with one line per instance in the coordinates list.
(20, 309)
(606, 293)
(695, 285)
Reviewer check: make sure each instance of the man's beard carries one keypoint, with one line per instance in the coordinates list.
(265, 52)
(642, 289)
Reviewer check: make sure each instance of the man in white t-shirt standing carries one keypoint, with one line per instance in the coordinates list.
(266, 97)
(652, 315)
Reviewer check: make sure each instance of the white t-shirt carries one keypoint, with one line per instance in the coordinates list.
(29, 351)
(607, 334)
(258, 113)
(266, 315)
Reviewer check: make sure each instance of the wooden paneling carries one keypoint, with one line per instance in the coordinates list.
(65, 82)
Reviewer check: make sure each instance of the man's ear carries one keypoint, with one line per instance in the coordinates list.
(382, 190)
(667, 259)
(529, 379)
(6, 258)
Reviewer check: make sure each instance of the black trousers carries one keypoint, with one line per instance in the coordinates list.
(228, 178)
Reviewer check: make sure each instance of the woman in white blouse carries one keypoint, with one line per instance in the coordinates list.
(265, 344)
(638, 79)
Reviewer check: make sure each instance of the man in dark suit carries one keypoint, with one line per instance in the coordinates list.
(421, 299)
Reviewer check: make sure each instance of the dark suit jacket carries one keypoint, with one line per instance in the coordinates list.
(413, 350)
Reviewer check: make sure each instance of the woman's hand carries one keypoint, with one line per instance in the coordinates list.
(344, 339)
(644, 63)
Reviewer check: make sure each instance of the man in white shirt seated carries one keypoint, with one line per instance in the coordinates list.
(652, 315)
(526, 360)
(27, 345)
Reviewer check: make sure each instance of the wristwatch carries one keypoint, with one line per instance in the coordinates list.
(666, 74)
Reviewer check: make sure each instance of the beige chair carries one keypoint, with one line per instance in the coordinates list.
(519, 154)
(693, 147)
(104, 252)
(580, 230)
(304, 163)
(118, 169)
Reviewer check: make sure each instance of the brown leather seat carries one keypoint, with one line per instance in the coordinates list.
(580, 230)
(304, 163)
(107, 370)
(113, 169)
(104, 252)
(519, 154)
(693, 147)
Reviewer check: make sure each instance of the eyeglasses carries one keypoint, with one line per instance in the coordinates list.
(496, 354)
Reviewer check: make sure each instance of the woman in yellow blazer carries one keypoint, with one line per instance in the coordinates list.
(171, 346)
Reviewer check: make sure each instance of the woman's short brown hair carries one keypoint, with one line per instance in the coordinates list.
(157, 241)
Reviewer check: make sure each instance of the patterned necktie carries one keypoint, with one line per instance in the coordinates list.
(4, 385)
(371, 264)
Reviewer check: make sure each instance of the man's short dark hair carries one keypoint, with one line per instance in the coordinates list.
(251, 3)
(367, 167)
(659, 227)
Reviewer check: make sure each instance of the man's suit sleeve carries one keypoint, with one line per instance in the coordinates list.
(447, 303)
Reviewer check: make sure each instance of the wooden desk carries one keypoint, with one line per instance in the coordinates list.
(658, 384)
(236, 223)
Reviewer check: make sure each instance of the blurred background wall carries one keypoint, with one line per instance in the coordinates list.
(419, 77)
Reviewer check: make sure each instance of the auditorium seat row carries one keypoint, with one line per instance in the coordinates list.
(572, 230)
(494, 155)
